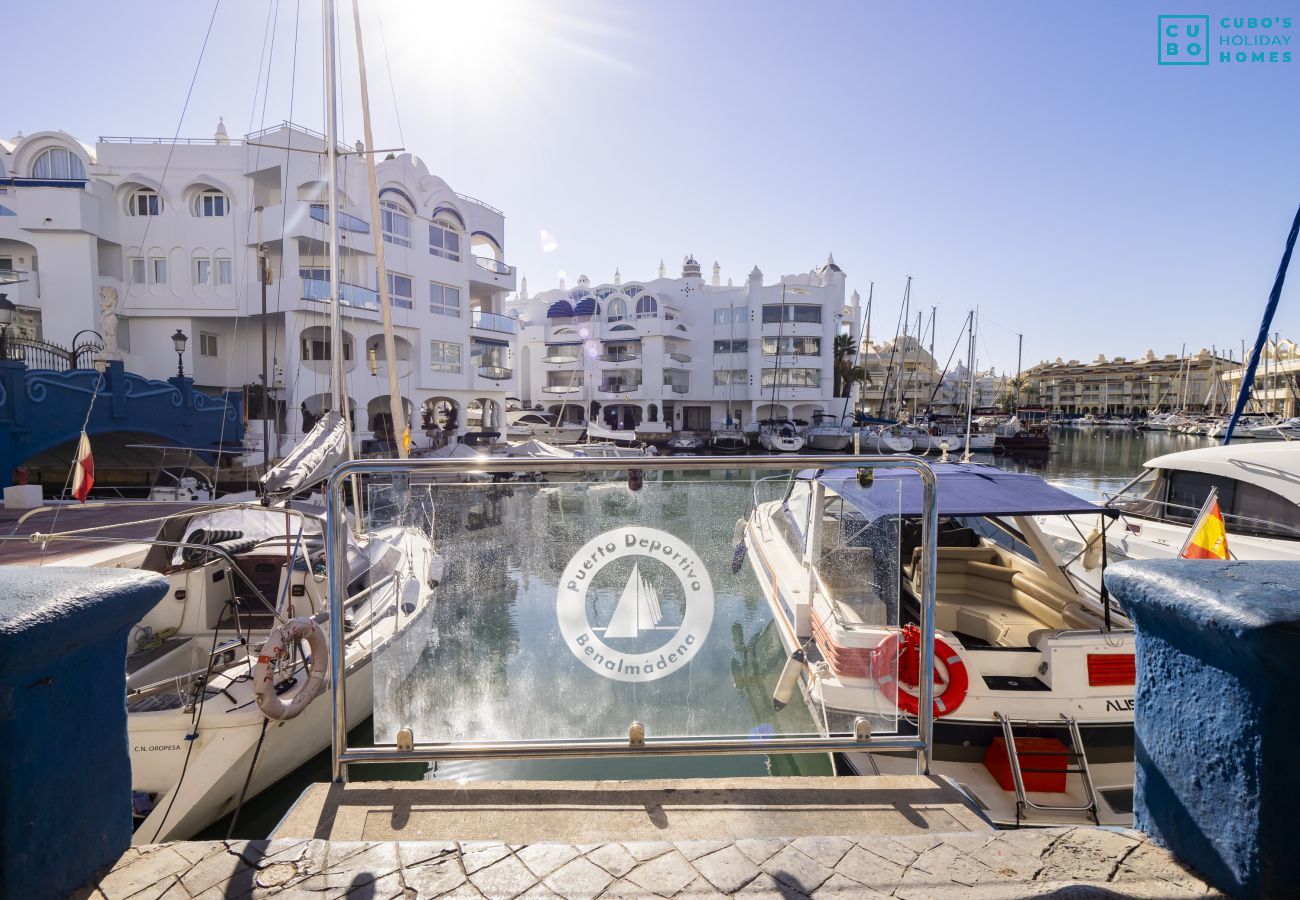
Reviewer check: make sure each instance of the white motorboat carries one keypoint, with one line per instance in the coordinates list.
(1259, 496)
(1286, 430)
(526, 424)
(686, 442)
(781, 436)
(825, 434)
(1025, 656)
(883, 441)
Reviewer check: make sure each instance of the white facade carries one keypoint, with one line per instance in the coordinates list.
(136, 238)
(674, 354)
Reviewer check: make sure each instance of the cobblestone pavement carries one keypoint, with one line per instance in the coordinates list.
(1070, 863)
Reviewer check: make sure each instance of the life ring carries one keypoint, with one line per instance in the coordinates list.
(279, 707)
(892, 681)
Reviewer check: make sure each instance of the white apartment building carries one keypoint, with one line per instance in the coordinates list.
(672, 354)
(129, 240)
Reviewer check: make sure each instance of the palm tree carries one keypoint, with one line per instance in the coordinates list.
(846, 373)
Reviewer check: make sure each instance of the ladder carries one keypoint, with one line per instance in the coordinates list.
(1076, 755)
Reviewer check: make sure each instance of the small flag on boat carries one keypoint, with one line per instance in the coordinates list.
(83, 470)
(406, 439)
(1209, 536)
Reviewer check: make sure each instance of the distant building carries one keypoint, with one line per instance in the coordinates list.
(1277, 380)
(905, 377)
(1128, 387)
(132, 239)
(672, 354)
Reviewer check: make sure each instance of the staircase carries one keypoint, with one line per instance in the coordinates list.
(1078, 765)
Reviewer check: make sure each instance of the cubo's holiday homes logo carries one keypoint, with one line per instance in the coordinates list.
(1196, 40)
(640, 641)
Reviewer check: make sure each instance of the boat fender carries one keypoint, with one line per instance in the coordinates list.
(435, 569)
(279, 707)
(411, 595)
(1092, 551)
(789, 679)
(892, 682)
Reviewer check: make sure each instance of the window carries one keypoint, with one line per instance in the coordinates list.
(207, 344)
(564, 379)
(739, 345)
(202, 271)
(317, 349)
(444, 300)
(799, 378)
(444, 241)
(730, 315)
(792, 346)
(158, 269)
(616, 310)
(444, 356)
(401, 290)
(723, 377)
(58, 163)
(225, 271)
(647, 308)
(137, 269)
(794, 312)
(210, 204)
(144, 203)
(395, 224)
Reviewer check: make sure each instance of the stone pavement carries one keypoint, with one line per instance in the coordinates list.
(1061, 862)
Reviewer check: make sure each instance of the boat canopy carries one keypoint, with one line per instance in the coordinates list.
(963, 490)
(310, 462)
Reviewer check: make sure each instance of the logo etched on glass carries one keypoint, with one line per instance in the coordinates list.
(660, 564)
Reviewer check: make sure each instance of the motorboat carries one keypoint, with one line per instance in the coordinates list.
(1258, 493)
(729, 439)
(526, 424)
(1012, 436)
(1286, 430)
(827, 434)
(884, 440)
(686, 442)
(780, 436)
(1026, 657)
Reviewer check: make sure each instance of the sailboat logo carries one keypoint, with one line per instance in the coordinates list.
(639, 608)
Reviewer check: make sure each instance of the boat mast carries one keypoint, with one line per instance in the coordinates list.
(1020, 348)
(395, 410)
(338, 392)
(970, 396)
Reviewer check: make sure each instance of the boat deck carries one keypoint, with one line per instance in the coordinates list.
(70, 517)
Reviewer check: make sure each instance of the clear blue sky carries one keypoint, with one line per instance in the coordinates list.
(1027, 157)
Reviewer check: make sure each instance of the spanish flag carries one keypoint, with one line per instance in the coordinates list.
(83, 470)
(1209, 536)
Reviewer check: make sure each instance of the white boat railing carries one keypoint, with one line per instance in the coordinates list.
(407, 747)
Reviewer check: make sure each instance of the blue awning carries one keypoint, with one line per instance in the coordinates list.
(585, 307)
(490, 342)
(560, 309)
(963, 490)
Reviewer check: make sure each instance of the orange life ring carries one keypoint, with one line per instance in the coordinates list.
(892, 681)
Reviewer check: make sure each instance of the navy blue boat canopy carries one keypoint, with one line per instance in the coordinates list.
(962, 489)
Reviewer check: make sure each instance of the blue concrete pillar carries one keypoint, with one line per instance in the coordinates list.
(1218, 729)
(65, 770)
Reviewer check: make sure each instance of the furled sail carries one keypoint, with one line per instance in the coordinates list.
(309, 463)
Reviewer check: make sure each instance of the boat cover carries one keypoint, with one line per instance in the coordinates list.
(963, 489)
(538, 449)
(310, 462)
(596, 430)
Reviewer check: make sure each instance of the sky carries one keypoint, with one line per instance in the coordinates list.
(1030, 159)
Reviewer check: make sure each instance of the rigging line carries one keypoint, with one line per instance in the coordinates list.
(392, 89)
(284, 211)
(144, 236)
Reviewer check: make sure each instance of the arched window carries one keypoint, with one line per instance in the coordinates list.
(210, 203)
(652, 413)
(616, 310)
(59, 163)
(396, 223)
(444, 239)
(647, 307)
(144, 202)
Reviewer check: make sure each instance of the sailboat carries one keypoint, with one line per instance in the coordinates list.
(637, 609)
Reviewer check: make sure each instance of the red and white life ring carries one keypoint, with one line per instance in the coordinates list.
(894, 667)
(279, 707)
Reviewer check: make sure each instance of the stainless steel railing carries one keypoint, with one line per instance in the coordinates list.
(637, 743)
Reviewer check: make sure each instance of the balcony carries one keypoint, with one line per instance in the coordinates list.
(561, 358)
(616, 386)
(677, 387)
(320, 212)
(20, 286)
(493, 322)
(679, 358)
(495, 373)
(618, 357)
(492, 273)
(353, 295)
(562, 389)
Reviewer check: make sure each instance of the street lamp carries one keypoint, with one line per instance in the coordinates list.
(6, 319)
(179, 339)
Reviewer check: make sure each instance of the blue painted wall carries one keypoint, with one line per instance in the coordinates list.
(65, 770)
(1217, 720)
(41, 409)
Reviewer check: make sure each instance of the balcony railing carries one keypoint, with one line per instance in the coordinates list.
(496, 267)
(679, 357)
(619, 387)
(495, 373)
(320, 212)
(562, 389)
(618, 357)
(559, 359)
(44, 182)
(677, 387)
(493, 322)
(353, 295)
